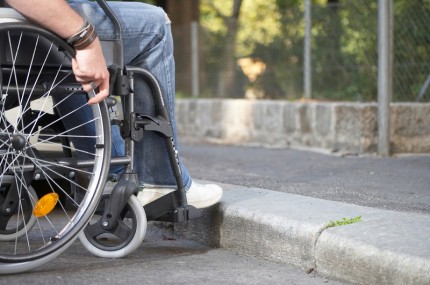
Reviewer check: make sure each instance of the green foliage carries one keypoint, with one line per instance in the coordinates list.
(182, 95)
(256, 32)
(255, 28)
(344, 46)
(344, 221)
(411, 49)
(344, 51)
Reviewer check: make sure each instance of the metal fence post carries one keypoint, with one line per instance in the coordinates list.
(307, 51)
(195, 59)
(385, 73)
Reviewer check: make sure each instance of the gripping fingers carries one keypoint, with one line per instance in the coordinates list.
(95, 81)
(93, 85)
(102, 94)
(88, 86)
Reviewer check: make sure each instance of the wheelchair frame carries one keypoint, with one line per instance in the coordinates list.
(172, 207)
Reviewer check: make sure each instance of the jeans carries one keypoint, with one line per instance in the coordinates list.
(148, 44)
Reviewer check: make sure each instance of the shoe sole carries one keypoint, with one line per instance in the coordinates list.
(156, 194)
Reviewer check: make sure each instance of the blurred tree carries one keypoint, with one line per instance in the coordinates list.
(227, 75)
(283, 53)
(343, 37)
(327, 62)
(233, 29)
(182, 14)
(411, 49)
(344, 47)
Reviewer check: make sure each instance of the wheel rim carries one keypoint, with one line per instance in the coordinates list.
(16, 226)
(117, 238)
(130, 238)
(34, 64)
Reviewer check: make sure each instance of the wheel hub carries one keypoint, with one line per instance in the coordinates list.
(18, 142)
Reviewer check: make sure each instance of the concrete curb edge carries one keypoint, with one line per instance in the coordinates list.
(386, 247)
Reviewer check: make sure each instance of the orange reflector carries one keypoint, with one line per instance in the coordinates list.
(45, 205)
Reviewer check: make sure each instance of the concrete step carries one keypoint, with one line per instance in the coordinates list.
(385, 247)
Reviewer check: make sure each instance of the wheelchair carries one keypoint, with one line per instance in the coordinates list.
(51, 184)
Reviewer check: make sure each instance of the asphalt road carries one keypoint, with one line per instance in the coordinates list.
(163, 259)
(390, 183)
(395, 183)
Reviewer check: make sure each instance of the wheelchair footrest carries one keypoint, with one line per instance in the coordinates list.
(165, 210)
(181, 215)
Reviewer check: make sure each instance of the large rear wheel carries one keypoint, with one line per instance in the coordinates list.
(51, 141)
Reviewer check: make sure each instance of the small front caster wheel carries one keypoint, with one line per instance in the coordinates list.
(123, 239)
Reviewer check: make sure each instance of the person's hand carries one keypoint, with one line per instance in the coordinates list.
(89, 68)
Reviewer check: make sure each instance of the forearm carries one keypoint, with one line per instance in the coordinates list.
(54, 15)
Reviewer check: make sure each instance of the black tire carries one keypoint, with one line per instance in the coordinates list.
(125, 238)
(16, 226)
(35, 66)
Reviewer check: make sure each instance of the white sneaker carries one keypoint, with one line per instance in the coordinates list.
(199, 195)
(203, 195)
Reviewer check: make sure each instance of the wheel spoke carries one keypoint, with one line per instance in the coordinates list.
(38, 154)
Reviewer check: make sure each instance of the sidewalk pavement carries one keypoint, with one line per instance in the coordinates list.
(384, 247)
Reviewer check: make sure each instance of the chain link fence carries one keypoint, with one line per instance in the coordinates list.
(344, 44)
(411, 50)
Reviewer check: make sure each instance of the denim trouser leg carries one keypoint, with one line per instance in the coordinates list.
(147, 44)
(80, 123)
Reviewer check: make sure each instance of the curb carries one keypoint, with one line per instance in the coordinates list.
(347, 127)
(386, 247)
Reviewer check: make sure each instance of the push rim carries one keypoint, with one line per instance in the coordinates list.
(28, 143)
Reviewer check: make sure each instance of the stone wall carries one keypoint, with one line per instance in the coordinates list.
(336, 127)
